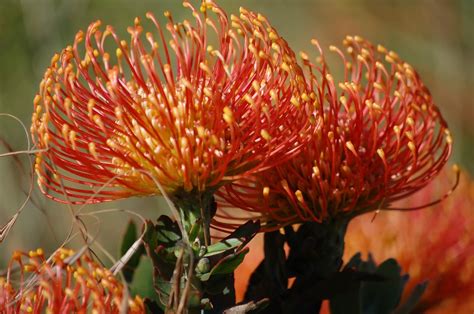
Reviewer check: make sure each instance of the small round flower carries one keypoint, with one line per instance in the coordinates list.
(188, 105)
(434, 245)
(64, 284)
(381, 138)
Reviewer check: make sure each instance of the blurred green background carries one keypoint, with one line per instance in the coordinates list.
(435, 36)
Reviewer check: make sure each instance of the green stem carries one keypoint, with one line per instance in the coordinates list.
(196, 211)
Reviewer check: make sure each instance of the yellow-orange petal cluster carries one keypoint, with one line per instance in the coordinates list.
(190, 104)
(435, 244)
(381, 138)
(66, 283)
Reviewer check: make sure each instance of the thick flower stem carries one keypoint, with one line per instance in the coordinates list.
(196, 211)
(315, 255)
(316, 251)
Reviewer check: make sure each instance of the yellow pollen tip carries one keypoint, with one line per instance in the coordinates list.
(72, 139)
(378, 86)
(65, 131)
(228, 115)
(411, 146)
(99, 122)
(331, 136)
(90, 106)
(29, 268)
(449, 139)
(273, 95)
(256, 86)
(379, 65)
(266, 136)
(93, 150)
(273, 35)
(394, 55)
(351, 147)
(205, 68)
(456, 168)
(314, 42)
(46, 137)
(316, 171)
(242, 10)
(381, 153)
(284, 66)
(276, 47)
(37, 100)
(294, 101)
(299, 196)
(381, 49)
(266, 192)
(304, 56)
(54, 59)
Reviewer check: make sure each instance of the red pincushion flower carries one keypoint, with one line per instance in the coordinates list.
(191, 108)
(434, 245)
(381, 139)
(63, 285)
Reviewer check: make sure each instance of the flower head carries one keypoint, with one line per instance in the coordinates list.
(381, 138)
(434, 245)
(63, 284)
(187, 105)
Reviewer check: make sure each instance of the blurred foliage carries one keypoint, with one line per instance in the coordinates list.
(434, 36)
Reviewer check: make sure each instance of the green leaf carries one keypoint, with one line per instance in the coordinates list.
(412, 299)
(152, 307)
(246, 231)
(375, 289)
(195, 230)
(383, 297)
(167, 231)
(226, 265)
(160, 242)
(343, 288)
(230, 264)
(240, 237)
(223, 246)
(142, 283)
(128, 240)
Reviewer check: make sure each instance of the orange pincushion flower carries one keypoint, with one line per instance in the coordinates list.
(192, 108)
(434, 245)
(63, 285)
(381, 139)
